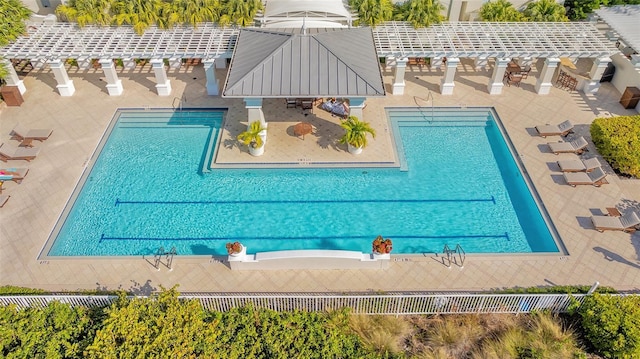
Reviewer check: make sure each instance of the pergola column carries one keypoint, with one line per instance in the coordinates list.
(12, 78)
(163, 84)
(447, 84)
(595, 75)
(114, 84)
(65, 85)
(356, 106)
(543, 85)
(398, 76)
(254, 110)
(496, 83)
(210, 72)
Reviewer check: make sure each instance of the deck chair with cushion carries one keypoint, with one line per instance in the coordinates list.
(578, 146)
(595, 178)
(587, 165)
(10, 152)
(28, 135)
(627, 223)
(13, 174)
(562, 129)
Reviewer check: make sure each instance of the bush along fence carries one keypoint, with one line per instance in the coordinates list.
(359, 304)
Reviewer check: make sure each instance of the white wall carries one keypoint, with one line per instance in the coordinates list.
(626, 74)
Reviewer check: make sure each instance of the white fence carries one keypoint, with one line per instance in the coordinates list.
(400, 304)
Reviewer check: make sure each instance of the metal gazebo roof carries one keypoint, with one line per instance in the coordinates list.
(492, 39)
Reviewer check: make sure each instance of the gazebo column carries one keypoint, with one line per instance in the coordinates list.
(163, 84)
(599, 65)
(356, 105)
(114, 84)
(496, 83)
(543, 85)
(65, 85)
(254, 110)
(447, 84)
(12, 78)
(398, 76)
(210, 72)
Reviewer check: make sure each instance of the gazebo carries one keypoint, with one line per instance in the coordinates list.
(300, 63)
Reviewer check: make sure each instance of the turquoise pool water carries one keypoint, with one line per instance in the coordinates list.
(458, 184)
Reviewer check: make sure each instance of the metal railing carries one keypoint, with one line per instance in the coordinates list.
(396, 304)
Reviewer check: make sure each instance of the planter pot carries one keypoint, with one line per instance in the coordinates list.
(263, 136)
(381, 255)
(256, 151)
(354, 150)
(242, 253)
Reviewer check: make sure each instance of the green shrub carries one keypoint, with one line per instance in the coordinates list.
(13, 290)
(556, 289)
(618, 141)
(612, 324)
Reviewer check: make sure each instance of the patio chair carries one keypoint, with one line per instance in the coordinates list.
(3, 199)
(562, 129)
(595, 178)
(587, 165)
(626, 223)
(514, 79)
(13, 174)
(578, 146)
(10, 152)
(26, 136)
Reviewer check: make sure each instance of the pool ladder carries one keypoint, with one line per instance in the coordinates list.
(453, 255)
(168, 256)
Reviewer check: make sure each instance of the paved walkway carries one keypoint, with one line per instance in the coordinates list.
(612, 258)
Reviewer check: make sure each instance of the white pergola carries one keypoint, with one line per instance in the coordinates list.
(502, 41)
(53, 43)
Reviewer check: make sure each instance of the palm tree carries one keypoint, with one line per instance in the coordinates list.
(545, 10)
(87, 12)
(139, 13)
(423, 13)
(240, 12)
(13, 14)
(191, 12)
(356, 132)
(499, 10)
(372, 12)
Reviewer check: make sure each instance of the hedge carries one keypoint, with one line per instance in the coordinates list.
(618, 141)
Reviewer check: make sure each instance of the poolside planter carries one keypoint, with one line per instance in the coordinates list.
(259, 151)
(354, 150)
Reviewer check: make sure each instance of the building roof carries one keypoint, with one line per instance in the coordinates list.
(625, 20)
(314, 13)
(492, 39)
(327, 62)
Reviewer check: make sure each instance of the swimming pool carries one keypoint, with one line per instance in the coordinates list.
(150, 187)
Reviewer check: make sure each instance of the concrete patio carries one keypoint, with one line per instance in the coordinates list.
(612, 258)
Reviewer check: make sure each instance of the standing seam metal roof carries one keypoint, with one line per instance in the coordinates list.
(625, 20)
(341, 63)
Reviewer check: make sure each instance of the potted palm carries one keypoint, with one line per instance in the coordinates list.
(356, 134)
(254, 137)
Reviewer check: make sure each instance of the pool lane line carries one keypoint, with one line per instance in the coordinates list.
(238, 238)
(492, 200)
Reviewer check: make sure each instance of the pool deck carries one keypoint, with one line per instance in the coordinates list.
(612, 258)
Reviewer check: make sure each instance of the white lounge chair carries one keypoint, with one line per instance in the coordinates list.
(595, 178)
(578, 146)
(587, 165)
(562, 129)
(627, 223)
(10, 152)
(39, 134)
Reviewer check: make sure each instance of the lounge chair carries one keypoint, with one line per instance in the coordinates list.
(627, 223)
(578, 146)
(10, 152)
(595, 177)
(562, 129)
(3, 199)
(13, 174)
(27, 136)
(587, 165)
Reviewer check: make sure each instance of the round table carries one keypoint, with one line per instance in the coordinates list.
(302, 128)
